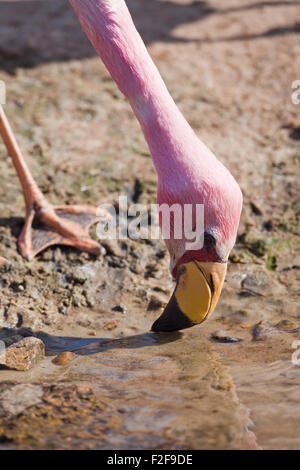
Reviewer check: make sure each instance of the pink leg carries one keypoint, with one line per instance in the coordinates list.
(47, 225)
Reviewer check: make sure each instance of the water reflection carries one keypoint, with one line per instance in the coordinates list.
(86, 346)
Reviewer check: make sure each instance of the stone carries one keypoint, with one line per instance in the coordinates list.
(19, 397)
(289, 326)
(261, 284)
(80, 275)
(223, 337)
(257, 283)
(112, 247)
(120, 308)
(111, 325)
(64, 358)
(262, 329)
(5, 265)
(24, 354)
(156, 302)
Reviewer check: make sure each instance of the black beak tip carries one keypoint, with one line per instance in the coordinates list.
(157, 327)
(172, 319)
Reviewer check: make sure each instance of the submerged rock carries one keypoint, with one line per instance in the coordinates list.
(288, 326)
(262, 329)
(223, 337)
(53, 416)
(16, 399)
(64, 358)
(24, 354)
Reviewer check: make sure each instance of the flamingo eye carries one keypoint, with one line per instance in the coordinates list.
(209, 242)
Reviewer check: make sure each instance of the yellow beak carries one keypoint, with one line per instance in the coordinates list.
(196, 294)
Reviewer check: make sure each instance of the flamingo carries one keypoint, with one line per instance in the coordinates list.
(187, 171)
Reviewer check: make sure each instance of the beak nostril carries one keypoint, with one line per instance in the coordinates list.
(212, 286)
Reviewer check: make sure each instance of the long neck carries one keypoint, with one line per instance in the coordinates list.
(110, 29)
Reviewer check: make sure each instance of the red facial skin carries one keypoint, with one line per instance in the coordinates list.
(198, 255)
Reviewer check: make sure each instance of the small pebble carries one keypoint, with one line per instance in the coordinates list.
(265, 328)
(262, 329)
(5, 265)
(63, 309)
(246, 326)
(156, 302)
(288, 326)
(112, 247)
(64, 358)
(112, 325)
(120, 308)
(224, 337)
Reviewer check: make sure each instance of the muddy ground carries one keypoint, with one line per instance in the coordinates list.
(229, 65)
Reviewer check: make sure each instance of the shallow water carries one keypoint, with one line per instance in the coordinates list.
(272, 393)
(176, 390)
(166, 390)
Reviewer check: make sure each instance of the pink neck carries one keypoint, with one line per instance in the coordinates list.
(110, 29)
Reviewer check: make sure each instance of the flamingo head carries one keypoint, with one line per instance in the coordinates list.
(200, 272)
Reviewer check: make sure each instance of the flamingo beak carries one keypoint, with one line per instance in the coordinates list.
(195, 296)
